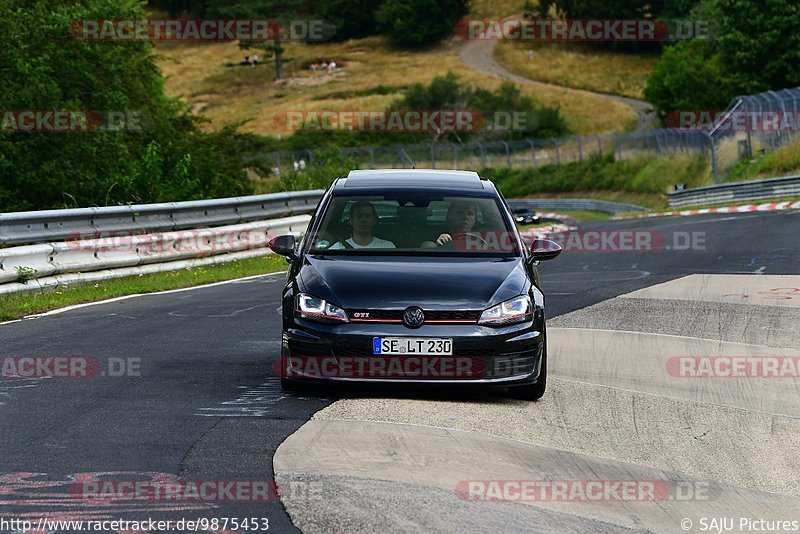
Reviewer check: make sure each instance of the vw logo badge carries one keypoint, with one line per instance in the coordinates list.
(413, 317)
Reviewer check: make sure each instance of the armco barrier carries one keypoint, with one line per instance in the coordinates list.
(37, 258)
(120, 251)
(57, 280)
(788, 186)
(58, 225)
(573, 204)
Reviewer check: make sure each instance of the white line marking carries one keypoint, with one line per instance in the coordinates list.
(125, 297)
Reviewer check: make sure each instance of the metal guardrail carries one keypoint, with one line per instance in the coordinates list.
(574, 204)
(45, 260)
(57, 225)
(788, 186)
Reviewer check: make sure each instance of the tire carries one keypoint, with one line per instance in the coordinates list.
(533, 392)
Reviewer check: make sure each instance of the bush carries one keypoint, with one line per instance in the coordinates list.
(328, 165)
(448, 93)
(650, 175)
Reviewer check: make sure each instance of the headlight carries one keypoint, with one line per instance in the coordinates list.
(318, 309)
(512, 311)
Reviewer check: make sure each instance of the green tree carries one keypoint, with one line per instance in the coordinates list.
(618, 9)
(414, 23)
(752, 48)
(759, 43)
(43, 67)
(688, 76)
(179, 8)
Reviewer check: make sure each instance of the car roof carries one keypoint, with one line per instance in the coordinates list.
(413, 179)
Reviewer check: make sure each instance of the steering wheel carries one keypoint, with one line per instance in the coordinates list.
(476, 235)
(479, 236)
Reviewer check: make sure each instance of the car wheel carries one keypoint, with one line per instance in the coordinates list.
(535, 391)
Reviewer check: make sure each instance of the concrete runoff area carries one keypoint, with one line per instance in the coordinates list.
(435, 467)
(617, 408)
(683, 368)
(763, 290)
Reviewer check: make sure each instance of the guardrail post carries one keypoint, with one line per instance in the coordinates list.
(580, 150)
(508, 154)
(404, 155)
(713, 149)
(533, 152)
(483, 154)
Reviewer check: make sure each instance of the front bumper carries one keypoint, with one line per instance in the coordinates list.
(503, 356)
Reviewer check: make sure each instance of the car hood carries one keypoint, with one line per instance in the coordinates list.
(396, 283)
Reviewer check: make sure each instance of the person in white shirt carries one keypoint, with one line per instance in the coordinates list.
(363, 219)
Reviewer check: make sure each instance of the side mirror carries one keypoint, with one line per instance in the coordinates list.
(284, 245)
(544, 249)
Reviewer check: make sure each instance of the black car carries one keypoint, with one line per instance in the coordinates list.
(525, 216)
(414, 276)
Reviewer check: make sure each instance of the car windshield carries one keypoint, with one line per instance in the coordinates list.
(415, 224)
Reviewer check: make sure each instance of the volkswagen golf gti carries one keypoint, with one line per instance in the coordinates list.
(414, 276)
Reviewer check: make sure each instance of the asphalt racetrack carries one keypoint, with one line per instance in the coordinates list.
(183, 389)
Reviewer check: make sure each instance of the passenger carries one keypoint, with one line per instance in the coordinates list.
(363, 219)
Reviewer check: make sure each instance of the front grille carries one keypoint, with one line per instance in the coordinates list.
(439, 316)
(455, 315)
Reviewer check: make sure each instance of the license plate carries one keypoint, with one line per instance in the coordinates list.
(423, 346)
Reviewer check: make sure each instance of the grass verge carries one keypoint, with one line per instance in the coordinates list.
(587, 216)
(18, 305)
(643, 181)
(784, 161)
(578, 66)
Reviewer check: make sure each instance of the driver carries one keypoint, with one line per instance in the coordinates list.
(461, 217)
(363, 219)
